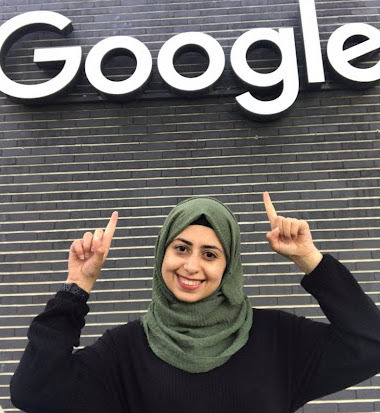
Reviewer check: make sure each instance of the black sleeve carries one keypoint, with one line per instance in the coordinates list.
(332, 357)
(50, 378)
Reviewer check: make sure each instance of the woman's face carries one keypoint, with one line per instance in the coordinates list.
(194, 263)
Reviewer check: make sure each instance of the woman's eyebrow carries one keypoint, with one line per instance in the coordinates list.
(202, 246)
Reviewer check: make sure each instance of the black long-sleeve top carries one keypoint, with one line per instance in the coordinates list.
(287, 361)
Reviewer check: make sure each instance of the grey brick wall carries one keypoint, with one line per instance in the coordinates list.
(66, 166)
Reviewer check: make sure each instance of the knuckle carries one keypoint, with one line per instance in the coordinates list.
(100, 250)
(98, 232)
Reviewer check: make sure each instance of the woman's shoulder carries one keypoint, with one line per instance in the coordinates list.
(272, 315)
(287, 326)
(132, 331)
(267, 318)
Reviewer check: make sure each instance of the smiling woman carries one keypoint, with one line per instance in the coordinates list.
(208, 253)
(194, 263)
(201, 347)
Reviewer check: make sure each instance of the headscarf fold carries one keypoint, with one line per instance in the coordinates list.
(199, 336)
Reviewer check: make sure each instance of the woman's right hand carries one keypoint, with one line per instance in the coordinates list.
(87, 255)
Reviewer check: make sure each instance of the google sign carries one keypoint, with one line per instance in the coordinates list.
(341, 59)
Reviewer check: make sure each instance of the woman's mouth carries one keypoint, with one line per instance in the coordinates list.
(188, 284)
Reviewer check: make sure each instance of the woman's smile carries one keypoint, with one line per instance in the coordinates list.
(194, 263)
(188, 283)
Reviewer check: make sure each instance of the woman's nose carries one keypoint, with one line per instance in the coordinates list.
(192, 264)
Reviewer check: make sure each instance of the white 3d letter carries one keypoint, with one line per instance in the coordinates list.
(340, 58)
(72, 56)
(191, 41)
(311, 42)
(113, 45)
(287, 72)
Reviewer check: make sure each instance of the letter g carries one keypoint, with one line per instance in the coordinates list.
(71, 55)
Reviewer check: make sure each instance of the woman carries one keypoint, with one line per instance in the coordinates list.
(200, 347)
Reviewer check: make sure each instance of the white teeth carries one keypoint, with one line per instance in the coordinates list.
(188, 282)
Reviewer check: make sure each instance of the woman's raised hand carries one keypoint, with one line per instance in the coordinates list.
(87, 255)
(291, 238)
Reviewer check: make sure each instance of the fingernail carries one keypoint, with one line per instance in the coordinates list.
(87, 255)
(82, 257)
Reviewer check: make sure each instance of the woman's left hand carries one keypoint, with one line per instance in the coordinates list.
(291, 238)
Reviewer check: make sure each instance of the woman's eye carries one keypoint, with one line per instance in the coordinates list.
(180, 248)
(210, 255)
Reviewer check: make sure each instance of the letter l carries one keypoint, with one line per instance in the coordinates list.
(312, 43)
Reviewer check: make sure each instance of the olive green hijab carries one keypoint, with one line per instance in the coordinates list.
(200, 336)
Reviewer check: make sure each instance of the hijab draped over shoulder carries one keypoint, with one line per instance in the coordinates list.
(199, 336)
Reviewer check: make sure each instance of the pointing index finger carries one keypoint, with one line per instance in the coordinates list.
(271, 212)
(110, 229)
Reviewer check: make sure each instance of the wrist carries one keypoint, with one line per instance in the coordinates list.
(75, 290)
(307, 263)
(86, 286)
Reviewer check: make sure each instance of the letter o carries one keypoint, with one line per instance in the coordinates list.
(124, 88)
(189, 41)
